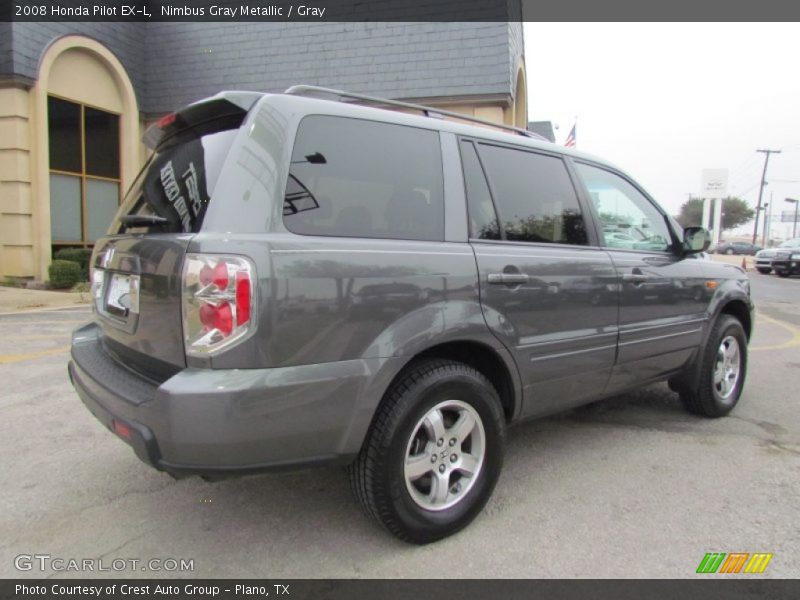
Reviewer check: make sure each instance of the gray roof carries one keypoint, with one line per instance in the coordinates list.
(171, 64)
(29, 40)
(543, 128)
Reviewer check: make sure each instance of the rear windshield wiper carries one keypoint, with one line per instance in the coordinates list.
(137, 220)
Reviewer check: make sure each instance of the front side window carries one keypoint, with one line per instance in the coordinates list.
(629, 220)
(535, 198)
(357, 178)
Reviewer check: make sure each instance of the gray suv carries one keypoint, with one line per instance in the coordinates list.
(298, 279)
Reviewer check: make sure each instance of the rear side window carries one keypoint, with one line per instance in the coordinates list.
(357, 178)
(534, 195)
(178, 181)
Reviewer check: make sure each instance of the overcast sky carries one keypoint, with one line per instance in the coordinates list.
(664, 101)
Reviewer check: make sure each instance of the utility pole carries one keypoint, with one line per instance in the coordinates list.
(761, 189)
(794, 224)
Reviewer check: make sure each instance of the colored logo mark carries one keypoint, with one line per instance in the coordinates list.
(735, 562)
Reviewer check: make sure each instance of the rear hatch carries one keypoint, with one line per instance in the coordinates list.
(136, 278)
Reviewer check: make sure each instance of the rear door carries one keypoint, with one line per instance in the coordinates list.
(663, 293)
(137, 266)
(547, 291)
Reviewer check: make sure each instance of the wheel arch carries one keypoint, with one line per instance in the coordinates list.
(499, 370)
(739, 310)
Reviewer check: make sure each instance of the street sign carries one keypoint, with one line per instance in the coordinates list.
(714, 183)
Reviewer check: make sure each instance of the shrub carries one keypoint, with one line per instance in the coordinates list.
(64, 274)
(82, 256)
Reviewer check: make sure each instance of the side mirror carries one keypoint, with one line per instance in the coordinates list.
(696, 239)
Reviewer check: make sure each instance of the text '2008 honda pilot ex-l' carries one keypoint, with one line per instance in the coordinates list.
(298, 279)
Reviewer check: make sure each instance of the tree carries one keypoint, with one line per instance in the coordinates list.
(735, 212)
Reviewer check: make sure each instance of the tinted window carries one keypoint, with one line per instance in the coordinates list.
(482, 218)
(64, 134)
(356, 178)
(102, 143)
(535, 198)
(628, 218)
(178, 181)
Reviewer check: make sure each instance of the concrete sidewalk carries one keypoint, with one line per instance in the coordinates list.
(20, 300)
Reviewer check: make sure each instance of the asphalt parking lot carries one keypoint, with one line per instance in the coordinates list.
(628, 487)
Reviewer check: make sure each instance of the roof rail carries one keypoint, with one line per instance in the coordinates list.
(428, 111)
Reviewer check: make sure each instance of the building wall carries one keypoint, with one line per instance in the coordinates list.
(145, 70)
(78, 69)
(126, 40)
(16, 229)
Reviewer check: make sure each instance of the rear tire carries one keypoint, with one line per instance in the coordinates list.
(441, 421)
(729, 251)
(722, 371)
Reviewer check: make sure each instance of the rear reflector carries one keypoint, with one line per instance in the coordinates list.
(243, 293)
(121, 429)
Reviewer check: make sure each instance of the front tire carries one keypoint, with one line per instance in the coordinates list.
(729, 251)
(782, 273)
(764, 270)
(722, 371)
(433, 453)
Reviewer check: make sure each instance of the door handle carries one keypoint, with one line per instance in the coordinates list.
(508, 278)
(635, 278)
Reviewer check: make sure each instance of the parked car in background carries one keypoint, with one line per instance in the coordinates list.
(765, 257)
(737, 248)
(787, 262)
(293, 281)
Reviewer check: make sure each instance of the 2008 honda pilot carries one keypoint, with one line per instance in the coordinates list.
(294, 280)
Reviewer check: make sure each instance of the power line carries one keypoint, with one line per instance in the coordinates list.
(761, 189)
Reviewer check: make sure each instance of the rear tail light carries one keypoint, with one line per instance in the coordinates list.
(218, 301)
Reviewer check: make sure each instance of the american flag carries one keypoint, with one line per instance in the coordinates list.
(570, 141)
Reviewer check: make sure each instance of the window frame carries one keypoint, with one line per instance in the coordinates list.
(439, 148)
(592, 237)
(83, 175)
(671, 250)
(461, 143)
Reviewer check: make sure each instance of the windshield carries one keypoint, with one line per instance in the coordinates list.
(177, 182)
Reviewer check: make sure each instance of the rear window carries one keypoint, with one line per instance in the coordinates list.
(178, 181)
(357, 178)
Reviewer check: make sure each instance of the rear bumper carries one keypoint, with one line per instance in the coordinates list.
(214, 422)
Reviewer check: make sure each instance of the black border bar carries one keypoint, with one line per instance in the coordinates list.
(747, 587)
(311, 11)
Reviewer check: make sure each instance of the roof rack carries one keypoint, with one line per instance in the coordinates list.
(428, 111)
